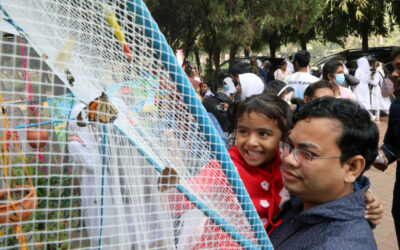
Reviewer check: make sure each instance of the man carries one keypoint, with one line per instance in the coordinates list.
(268, 73)
(390, 150)
(257, 70)
(332, 143)
(247, 84)
(300, 80)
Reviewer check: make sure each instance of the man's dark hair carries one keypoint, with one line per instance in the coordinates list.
(330, 68)
(302, 58)
(239, 68)
(312, 88)
(395, 52)
(338, 58)
(269, 105)
(360, 135)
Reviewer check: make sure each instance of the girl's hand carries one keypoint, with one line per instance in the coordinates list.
(374, 208)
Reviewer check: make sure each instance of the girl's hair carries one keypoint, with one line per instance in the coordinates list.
(206, 82)
(269, 105)
(312, 88)
(274, 87)
(330, 68)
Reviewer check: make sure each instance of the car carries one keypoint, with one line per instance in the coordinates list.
(351, 56)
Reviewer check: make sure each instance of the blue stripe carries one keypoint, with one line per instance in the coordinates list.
(102, 182)
(177, 75)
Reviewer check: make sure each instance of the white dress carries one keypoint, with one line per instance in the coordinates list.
(279, 75)
(361, 91)
(378, 102)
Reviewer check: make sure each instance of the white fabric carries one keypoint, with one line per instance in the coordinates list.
(208, 93)
(88, 155)
(361, 91)
(290, 67)
(232, 88)
(345, 70)
(378, 102)
(251, 85)
(299, 81)
(279, 75)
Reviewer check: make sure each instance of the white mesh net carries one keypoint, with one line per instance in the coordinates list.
(99, 145)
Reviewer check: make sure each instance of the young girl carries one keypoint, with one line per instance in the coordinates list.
(259, 122)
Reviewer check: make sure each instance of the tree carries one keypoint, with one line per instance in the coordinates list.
(288, 21)
(395, 11)
(177, 21)
(362, 18)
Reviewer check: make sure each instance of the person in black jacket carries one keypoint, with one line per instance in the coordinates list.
(390, 150)
(217, 105)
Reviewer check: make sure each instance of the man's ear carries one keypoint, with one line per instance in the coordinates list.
(305, 99)
(355, 165)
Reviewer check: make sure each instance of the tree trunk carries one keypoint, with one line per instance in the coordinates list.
(303, 43)
(246, 50)
(364, 37)
(232, 54)
(272, 50)
(197, 55)
(216, 59)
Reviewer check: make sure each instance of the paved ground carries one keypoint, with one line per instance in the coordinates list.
(382, 186)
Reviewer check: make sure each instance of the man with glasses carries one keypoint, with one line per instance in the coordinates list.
(332, 143)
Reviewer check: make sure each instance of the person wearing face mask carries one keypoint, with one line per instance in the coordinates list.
(378, 102)
(333, 72)
(229, 87)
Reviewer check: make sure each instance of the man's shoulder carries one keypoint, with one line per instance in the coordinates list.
(354, 234)
(301, 77)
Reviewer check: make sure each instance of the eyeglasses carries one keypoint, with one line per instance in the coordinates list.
(301, 155)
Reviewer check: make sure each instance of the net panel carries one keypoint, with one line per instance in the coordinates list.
(100, 145)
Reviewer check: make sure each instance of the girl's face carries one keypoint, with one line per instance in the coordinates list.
(204, 88)
(257, 138)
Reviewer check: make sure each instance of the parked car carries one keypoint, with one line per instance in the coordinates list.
(351, 56)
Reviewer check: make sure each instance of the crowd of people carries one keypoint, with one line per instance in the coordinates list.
(301, 145)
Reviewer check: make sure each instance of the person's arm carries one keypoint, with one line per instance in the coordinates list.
(391, 142)
(375, 79)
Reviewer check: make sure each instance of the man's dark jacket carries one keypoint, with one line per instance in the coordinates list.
(338, 224)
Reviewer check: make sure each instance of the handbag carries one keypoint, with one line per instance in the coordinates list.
(387, 87)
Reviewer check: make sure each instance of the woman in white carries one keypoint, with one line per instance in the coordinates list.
(229, 87)
(378, 102)
(282, 73)
(361, 91)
